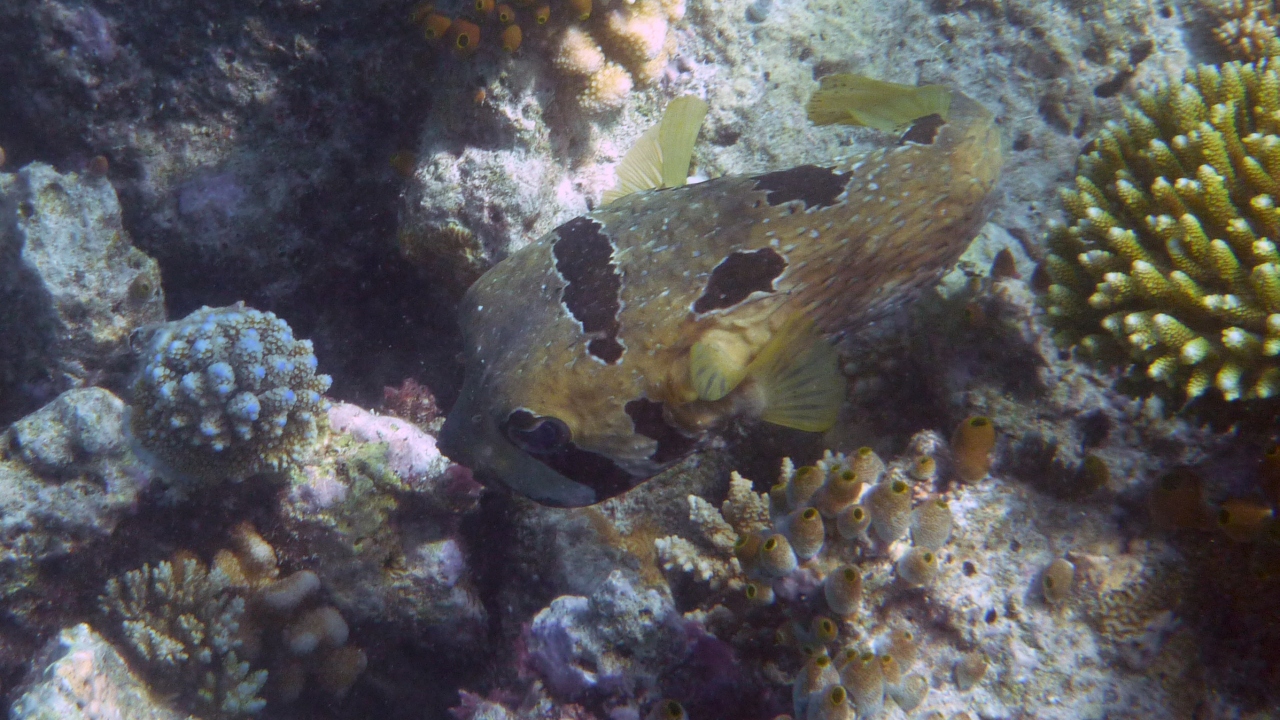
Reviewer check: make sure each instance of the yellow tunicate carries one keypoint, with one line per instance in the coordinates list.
(1243, 520)
(867, 465)
(889, 505)
(924, 468)
(760, 594)
(668, 710)
(909, 693)
(806, 533)
(816, 674)
(862, 678)
(1058, 580)
(843, 589)
(931, 524)
(852, 522)
(841, 490)
(747, 550)
(918, 566)
(833, 704)
(904, 646)
(890, 670)
(971, 447)
(776, 557)
(803, 484)
(823, 630)
(340, 669)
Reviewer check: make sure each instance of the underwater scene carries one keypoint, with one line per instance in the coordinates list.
(640, 359)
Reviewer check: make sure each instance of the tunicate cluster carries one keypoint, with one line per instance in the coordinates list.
(227, 393)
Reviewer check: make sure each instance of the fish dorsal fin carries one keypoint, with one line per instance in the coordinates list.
(716, 365)
(660, 158)
(851, 99)
(798, 375)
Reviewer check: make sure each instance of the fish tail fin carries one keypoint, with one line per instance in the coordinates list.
(798, 375)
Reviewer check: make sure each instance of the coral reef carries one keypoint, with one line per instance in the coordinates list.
(1167, 266)
(227, 393)
(72, 286)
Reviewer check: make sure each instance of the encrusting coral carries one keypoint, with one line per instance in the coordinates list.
(1169, 264)
(227, 393)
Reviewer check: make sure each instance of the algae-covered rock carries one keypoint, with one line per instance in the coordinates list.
(83, 678)
(72, 285)
(67, 478)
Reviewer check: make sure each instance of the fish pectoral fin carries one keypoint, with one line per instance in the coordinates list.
(714, 370)
(660, 158)
(798, 375)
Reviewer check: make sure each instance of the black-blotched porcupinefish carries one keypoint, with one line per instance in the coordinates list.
(609, 348)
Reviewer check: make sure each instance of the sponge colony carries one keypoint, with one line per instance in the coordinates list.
(227, 393)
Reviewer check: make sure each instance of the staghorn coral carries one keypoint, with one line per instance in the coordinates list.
(185, 622)
(227, 393)
(1246, 29)
(1169, 264)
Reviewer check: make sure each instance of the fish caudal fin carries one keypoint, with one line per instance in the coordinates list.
(660, 158)
(798, 376)
(856, 100)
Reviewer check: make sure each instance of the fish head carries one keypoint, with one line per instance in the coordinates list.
(552, 405)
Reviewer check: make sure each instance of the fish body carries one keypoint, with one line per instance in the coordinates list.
(609, 348)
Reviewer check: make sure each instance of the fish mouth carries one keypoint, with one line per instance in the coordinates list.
(471, 437)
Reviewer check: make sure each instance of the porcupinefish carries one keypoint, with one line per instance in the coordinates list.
(614, 345)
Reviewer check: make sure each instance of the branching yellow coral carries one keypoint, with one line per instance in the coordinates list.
(1170, 261)
(1246, 28)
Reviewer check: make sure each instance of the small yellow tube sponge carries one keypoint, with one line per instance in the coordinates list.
(1169, 264)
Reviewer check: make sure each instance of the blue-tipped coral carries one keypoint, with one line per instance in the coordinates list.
(227, 393)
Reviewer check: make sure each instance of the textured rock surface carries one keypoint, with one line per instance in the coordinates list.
(615, 643)
(72, 286)
(81, 677)
(67, 477)
(378, 513)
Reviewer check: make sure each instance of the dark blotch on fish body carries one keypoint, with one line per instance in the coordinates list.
(739, 275)
(815, 186)
(584, 258)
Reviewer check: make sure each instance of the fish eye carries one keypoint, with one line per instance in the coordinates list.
(535, 434)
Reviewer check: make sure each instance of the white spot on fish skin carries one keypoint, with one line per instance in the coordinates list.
(815, 234)
(788, 249)
(697, 253)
